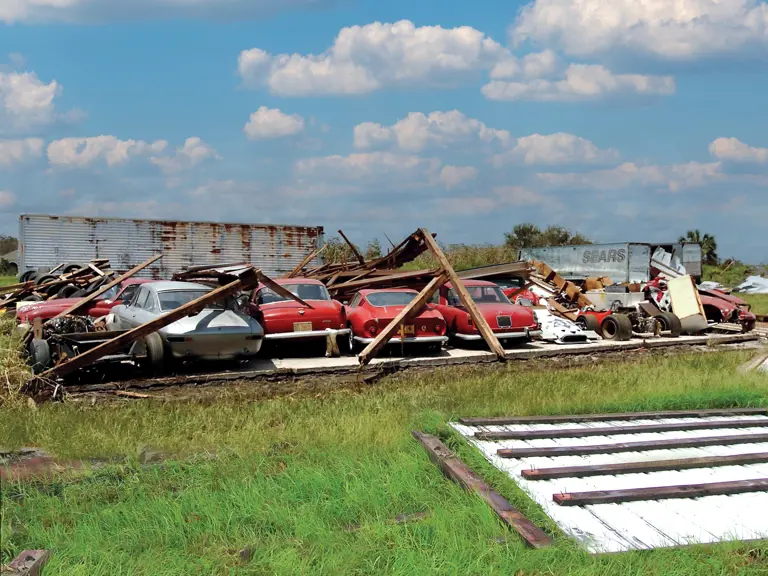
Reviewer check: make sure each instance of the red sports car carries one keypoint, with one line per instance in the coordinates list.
(372, 310)
(123, 292)
(510, 322)
(286, 319)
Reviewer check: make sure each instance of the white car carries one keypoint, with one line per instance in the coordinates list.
(560, 330)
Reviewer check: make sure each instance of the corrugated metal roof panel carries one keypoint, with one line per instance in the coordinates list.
(47, 240)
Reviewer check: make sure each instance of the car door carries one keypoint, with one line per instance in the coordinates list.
(128, 315)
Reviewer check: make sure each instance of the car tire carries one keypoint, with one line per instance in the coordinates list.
(617, 327)
(588, 322)
(95, 285)
(353, 346)
(155, 360)
(67, 291)
(28, 276)
(39, 355)
(33, 298)
(669, 322)
(43, 279)
(69, 268)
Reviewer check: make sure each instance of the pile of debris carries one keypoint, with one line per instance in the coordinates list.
(62, 281)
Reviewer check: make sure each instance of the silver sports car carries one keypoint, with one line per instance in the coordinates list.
(219, 332)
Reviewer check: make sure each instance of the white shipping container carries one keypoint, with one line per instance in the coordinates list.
(48, 240)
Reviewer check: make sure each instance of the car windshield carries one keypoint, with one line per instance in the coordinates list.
(480, 294)
(390, 298)
(110, 294)
(303, 291)
(172, 299)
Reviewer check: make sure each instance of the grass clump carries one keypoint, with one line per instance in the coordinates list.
(7, 280)
(292, 474)
(14, 370)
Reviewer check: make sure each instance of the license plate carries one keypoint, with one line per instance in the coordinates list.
(407, 330)
(302, 326)
(504, 321)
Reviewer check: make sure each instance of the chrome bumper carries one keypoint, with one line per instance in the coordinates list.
(408, 340)
(526, 334)
(305, 335)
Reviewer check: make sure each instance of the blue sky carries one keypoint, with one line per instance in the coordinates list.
(624, 120)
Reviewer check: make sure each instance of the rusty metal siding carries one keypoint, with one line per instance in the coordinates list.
(47, 240)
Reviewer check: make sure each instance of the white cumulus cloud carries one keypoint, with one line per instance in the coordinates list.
(559, 148)
(581, 82)
(18, 151)
(454, 176)
(272, 123)
(83, 152)
(193, 152)
(418, 131)
(667, 29)
(370, 166)
(733, 150)
(366, 58)
(26, 102)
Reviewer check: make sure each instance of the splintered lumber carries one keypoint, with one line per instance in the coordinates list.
(574, 418)
(29, 563)
(661, 492)
(247, 280)
(275, 287)
(466, 299)
(618, 430)
(411, 310)
(353, 248)
(643, 467)
(632, 446)
(460, 473)
(307, 259)
(91, 297)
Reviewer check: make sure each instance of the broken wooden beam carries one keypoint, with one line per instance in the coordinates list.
(552, 451)
(661, 492)
(602, 417)
(307, 259)
(620, 430)
(246, 280)
(28, 563)
(91, 297)
(410, 311)
(643, 467)
(466, 299)
(460, 473)
(353, 248)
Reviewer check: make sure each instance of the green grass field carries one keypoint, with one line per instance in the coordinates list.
(290, 475)
(7, 280)
(759, 302)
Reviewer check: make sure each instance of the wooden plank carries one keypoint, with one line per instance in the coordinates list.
(95, 269)
(460, 473)
(602, 417)
(412, 309)
(661, 492)
(29, 563)
(632, 446)
(296, 271)
(248, 279)
(619, 430)
(91, 297)
(643, 467)
(466, 299)
(354, 249)
(15, 287)
(279, 289)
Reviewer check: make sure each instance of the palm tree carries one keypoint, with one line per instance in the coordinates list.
(707, 242)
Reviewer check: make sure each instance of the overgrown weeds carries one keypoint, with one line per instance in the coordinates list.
(14, 370)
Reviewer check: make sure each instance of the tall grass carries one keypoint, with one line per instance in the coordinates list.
(292, 474)
(759, 302)
(14, 370)
(466, 256)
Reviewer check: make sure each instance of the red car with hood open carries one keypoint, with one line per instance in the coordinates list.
(370, 311)
(286, 319)
(509, 322)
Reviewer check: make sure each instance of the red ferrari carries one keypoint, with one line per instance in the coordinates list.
(370, 311)
(286, 319)
(510, 322)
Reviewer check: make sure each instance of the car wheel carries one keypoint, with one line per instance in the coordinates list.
(39, 355)
(45, 278)
(33, 298)
(28, 276)
(69, 268)
(616, 327)
(353, 345)
(155, 360)
(668, 322)
(79, 294)
(67, 291)
(588, 322)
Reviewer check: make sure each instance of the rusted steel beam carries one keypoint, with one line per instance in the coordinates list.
(296, 271)
(354, 249)
(573, 418)
(643, 467)
(661, 492)
(412, 309)
(460, 473)
(633, 446)
(29, 563)
(620, 430)
(248, 279)
(466, 299)
(91, 297)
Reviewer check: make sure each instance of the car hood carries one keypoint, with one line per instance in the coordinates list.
(723, 296)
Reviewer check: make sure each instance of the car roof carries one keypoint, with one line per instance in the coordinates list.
(167, 285)
(368, 291)
(282, 281)
(131, 281)
(474, 283)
